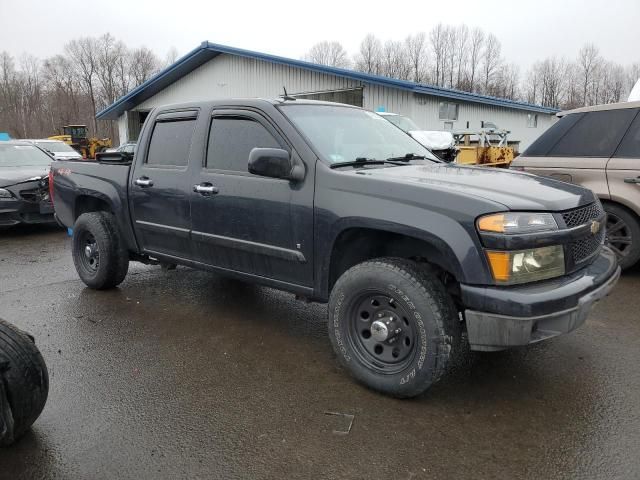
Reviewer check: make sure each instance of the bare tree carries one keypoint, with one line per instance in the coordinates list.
(475, 55)
(588, 63)
(395, 61)
(507, 81)
(438, 40)
(461, 48)
(171, 56)
(416, 46)
(369, 57)
(83, 53)
(490, 60)
(551, 74)
(328, 53)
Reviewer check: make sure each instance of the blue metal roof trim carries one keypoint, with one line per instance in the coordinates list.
(207, 51)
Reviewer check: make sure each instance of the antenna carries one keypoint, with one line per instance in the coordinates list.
(286, 96)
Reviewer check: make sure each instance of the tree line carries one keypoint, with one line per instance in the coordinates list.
(39, 96)
(471, 60)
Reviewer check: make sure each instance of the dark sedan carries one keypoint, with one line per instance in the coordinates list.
(24, 184)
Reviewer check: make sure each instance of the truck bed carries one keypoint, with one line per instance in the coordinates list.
(78, 185)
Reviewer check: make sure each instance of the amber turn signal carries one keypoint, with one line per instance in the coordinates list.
(492, 223)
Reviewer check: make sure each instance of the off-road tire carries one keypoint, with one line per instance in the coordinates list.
(24, 383)
(630, 253)
(113, 259)
(431, 314)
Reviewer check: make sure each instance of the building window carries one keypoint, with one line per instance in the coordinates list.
(532, 120)
(448, 111)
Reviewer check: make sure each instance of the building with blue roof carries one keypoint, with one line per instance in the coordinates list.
(213, 71)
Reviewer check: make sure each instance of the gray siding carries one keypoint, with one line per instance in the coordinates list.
(228, 76)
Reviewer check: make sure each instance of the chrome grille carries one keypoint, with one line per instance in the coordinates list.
(582, 215)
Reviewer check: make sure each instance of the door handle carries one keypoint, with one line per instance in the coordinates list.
(205, 189)
(632, 180)
(144, 182)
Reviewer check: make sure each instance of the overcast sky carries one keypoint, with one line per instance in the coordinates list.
(528, 29)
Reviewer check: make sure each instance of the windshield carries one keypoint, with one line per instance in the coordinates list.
(343, 134)
(55, 147)
(22, 156)
(403, 123)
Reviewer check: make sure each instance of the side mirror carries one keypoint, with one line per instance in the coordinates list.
(274, 163)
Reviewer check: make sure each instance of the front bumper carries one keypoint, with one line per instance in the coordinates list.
(14, 212)
(501, 317)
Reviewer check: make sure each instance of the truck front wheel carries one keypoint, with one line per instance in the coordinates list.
(98, 253)
(393, 326)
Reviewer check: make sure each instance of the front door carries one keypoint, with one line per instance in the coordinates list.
(244, 222)
(160, 186)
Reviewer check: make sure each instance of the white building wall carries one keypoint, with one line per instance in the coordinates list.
(424, 110)
(228, 76)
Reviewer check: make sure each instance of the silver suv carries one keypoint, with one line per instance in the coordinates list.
(599, 148)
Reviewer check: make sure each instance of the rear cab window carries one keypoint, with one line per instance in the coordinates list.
(170, 143)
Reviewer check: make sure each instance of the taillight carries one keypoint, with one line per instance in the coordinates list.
(51, 185)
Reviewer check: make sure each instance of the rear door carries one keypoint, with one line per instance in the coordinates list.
(578, 147)
(160, 186)
(248, 223)
(623, 170)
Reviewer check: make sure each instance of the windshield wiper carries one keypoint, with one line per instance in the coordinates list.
(407, 157)
(364, 161)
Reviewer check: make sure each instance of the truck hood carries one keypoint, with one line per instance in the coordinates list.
(13, 175)
(514, 190)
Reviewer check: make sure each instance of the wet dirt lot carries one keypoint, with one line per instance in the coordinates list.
(184, 374)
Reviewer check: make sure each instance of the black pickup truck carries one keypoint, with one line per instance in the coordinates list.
(335, 204)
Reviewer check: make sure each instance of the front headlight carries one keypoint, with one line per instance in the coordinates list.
(509, 268)
(517, 222)
(5, 194)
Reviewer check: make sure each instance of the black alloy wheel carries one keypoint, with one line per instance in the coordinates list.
(90, 257)
(380, 332)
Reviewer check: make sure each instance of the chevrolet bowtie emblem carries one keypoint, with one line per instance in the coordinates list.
(595, 227)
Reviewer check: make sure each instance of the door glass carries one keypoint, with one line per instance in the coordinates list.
(544, 143)
(232, 138)
(170, 142)
(630, 146)
(597, 134)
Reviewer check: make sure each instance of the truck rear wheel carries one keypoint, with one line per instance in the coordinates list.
(98, 254)
(24, 383)
(393, 326)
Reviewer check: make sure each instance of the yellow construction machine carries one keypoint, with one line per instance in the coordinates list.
(488, 146)
(76, 136)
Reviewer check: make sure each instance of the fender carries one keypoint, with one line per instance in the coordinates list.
(452, 248)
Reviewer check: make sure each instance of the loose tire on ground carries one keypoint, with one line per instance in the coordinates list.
(623, 234)
(424, 324)
(98, 254)
(24, 383)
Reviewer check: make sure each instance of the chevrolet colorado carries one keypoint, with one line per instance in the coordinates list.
(335, 204)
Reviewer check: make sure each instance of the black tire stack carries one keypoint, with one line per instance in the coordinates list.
(24, 383)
